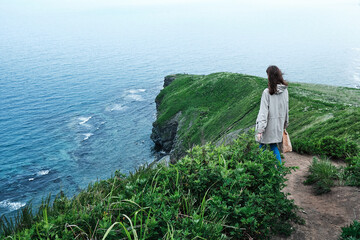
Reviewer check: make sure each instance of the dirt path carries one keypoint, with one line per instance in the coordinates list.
(324, 215)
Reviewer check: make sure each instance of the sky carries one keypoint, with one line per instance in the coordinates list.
(89, 4)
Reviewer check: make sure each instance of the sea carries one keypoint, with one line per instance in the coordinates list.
(78, 78)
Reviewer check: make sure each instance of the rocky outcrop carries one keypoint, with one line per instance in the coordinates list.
(168, 79)
(165, 136)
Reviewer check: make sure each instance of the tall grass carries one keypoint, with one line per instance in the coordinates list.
(226, 192)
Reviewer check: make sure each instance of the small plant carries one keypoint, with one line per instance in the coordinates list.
(322, 175)
(351, 232)
(352, 171)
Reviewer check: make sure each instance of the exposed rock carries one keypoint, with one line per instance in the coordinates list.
(164, 136)
(168, 79)
(164, 161)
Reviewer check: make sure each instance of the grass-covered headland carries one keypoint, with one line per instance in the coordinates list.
(324, 120)
(226, 192)
(214, 192)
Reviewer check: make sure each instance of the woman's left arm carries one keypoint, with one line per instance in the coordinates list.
(286, 124)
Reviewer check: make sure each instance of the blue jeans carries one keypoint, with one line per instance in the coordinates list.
(274, 148)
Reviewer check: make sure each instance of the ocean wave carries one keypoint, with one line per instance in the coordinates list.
(12, 206)
(42, 172)
(116, 107)
(135, 97)
(87, 136)
(84, 120)
(132, 91)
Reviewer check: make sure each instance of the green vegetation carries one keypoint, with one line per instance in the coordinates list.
(333, 147)
(351, 232)
(220, 103)
(211, 105)
(226, 192)
(324, 175)
(353, 171)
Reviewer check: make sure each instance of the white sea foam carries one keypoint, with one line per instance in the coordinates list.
(43, 172)
(84, 120)
(132, 91)
(134, 97)
(133, 94)
(31, 179)
(116, 107)
(87, 136)
(12, 206)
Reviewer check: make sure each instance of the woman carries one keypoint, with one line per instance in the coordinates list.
(273, 115)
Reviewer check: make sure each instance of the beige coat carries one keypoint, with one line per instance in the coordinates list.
(273, 115)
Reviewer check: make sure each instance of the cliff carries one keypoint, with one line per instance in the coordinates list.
(195, 109)
(215, 192)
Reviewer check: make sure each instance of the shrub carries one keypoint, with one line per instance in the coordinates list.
(351, 149)
(351, 232)
(322, 175)
(213, 193)
(307, 146)
(332, 146)
(352, 171)
(337, 148)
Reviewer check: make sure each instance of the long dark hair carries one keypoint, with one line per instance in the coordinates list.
(275, 77)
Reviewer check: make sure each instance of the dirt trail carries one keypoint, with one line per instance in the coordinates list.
(324, 215)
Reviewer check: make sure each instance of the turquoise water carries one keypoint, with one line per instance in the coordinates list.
(78, 81)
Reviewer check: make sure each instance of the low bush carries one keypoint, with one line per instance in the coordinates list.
(307, 146)
(226, 192)
(337, 148)
(322, 175)
(351, 232)
(329, 146)
(332, 146)
(352, 171)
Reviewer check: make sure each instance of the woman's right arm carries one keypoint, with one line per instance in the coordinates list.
(262, 118)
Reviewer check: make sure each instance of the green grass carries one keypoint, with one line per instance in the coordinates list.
(211, 105)
(322, 175)
(216, 104)
(351, 232)
(226, 192)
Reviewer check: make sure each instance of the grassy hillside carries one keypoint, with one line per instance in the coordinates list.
(216, 104)
(226, 192)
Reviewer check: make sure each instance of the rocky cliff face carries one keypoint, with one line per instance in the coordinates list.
(168, 79)
(165, 136)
